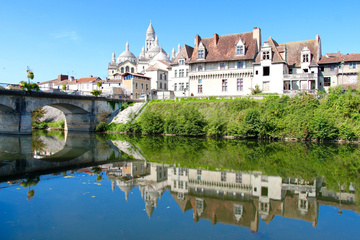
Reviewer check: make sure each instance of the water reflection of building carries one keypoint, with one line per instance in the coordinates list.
(240, 198)
(228, 197)
(150, 178)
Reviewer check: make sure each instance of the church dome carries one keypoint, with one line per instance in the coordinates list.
(126, 55)
(161, 56)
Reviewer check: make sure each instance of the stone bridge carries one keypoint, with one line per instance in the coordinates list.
(82, 113)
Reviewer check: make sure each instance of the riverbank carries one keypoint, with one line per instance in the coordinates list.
(335, 116)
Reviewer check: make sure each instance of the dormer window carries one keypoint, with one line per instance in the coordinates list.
(305, 58)
(240, 48)
(266, 55)
(200, 53)
(181, 61)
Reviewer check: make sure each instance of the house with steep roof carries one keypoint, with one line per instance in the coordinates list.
(222, 65)
(288, 68)
(179, 71)
(135, 85)
(337, 69)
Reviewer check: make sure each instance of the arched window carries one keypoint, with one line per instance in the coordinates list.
(127, 69)
(132, 70)
(122, 70)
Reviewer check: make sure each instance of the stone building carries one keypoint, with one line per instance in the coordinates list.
(337, 69)
(222, 65)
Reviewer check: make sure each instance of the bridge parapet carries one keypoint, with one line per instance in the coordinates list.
(82, 113)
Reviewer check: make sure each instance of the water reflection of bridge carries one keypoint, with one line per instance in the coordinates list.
(41, 154)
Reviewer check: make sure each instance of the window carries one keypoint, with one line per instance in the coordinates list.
(224, 85)
(238, 178)
(165, 86)
(181, 62)
(266, 55)
(181, 73)
(136, 85)
(122, 70)
(165, 76)
(132, 70)
(200, 89)
(200, 81)
(223, 176)
(187, 72)
(256, 72)
(266, 71)
(305, 58)
(127, 69)
(222, 65)
(240, 65)
(327, 81)
(322, 68)
(147, 87)
(175, 87)
(264, 191)
(175, 73)
(200, 53)
(187, 86)
(200, 68)
(160, 76)
(332, 68)
(239, 50)
(290, 71)
(181, 86)
(240, 84)
(142, 86)
(160, 85)
(352, 65)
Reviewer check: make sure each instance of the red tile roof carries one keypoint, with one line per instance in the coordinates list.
(224, 49)
(185, 53)
(292, 50)
(339, 57)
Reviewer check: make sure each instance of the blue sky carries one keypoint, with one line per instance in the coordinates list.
(78, 37)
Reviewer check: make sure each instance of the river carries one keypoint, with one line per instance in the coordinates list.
(89, 186)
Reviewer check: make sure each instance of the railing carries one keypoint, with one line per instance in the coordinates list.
(301, 76)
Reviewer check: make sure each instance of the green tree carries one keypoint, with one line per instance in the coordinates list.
(30, 75)
(29, 86)
(96, 92)
(99, 84)
(63, 87)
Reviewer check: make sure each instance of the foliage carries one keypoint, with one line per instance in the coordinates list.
(99, 84)
(60, 125)
(255, 90)
(333, 117)
(63, 87)
(152, 123)
(30, 74)
(96, 92)
(37, 114)
(29, 86)
(102, 127)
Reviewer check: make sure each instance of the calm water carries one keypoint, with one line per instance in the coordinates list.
(80, 186)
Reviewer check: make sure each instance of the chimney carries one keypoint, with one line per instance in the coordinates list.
(318, 42)
(257, 37)
(216, 39)
(62, 77)
(197, 40)
(72, 78)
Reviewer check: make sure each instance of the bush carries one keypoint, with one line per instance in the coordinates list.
(102, 127)
(152, 123)
(322, 129)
